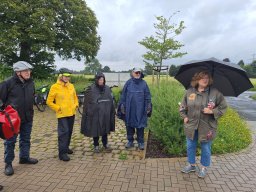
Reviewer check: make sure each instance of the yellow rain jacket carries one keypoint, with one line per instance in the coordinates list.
(62, 99)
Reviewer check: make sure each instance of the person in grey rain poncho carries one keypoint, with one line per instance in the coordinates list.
(98, 113)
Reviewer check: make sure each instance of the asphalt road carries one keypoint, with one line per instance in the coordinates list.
(244, 105)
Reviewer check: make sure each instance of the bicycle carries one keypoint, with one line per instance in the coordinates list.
(81, 100)
(40, 97)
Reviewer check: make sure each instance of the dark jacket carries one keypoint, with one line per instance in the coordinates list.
(136, 100)
(20, 95)
(98, 113)
(192, 106)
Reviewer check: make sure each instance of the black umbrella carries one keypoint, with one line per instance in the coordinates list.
(228, 78)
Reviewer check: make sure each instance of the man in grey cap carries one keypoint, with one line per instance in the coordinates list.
(18, 91)
(135, 105)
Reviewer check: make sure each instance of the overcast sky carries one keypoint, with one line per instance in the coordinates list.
(219, 28)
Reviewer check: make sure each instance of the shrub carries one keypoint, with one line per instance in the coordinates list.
(233, 134)
(165, 123)
(254, 84)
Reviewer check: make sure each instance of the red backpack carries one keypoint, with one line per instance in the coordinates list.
(9, 122)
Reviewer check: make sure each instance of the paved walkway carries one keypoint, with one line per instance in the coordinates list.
(120, 170)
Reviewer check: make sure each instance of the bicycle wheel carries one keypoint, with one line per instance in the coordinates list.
(80, 108)
(40, 103)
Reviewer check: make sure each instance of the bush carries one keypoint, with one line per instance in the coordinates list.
(254, 84)
(254, 97)
(165, 123)
(167, 126)
(233, 134)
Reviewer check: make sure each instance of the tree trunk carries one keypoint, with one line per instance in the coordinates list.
(25, 51)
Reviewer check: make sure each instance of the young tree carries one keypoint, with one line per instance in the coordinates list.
(163, 46)
(93, 67)
(36, 30)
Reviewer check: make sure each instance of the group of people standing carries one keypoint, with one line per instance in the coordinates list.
(98, 119)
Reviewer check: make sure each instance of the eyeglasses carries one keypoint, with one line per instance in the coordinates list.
(137, 72)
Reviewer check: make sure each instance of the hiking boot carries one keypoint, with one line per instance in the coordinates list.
(141, 146)
(189, 168)
(96, 149)
(8, 170)
(107, 148)
(64, 157)
(70, 151)
(202, 173)
(129, 145)
(28, 161)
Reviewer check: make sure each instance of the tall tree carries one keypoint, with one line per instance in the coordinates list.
(226, 60)
(148, 69)
(173, 70)
(163, 46)
(93, 67)
(106, 69)
(36, 30)
(241, 63)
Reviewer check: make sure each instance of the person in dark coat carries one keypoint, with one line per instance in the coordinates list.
(135, 105)
(98, 117)
(200, 109)
(18, 91)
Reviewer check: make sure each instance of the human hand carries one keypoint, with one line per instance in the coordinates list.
(207, 110)
(185, 120)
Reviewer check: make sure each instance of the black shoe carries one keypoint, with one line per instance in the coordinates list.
(1, 187)
(8, 170)
(70, 151)
(28, 161)
(108, 149)
(64, 157)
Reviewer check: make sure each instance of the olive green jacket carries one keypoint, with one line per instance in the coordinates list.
(192, 106)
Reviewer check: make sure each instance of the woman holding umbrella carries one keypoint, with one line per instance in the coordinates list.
(200, 109)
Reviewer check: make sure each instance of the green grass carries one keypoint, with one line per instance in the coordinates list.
(123, 156)
(254, 97)
(254, 84)
(80, 81)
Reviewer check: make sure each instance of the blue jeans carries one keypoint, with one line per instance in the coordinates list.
(205, 151)
(65, 129)
(24, 143)
(140, 134)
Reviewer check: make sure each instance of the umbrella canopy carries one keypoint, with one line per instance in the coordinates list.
(228, 78)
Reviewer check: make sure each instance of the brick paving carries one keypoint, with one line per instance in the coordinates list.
(121, 170)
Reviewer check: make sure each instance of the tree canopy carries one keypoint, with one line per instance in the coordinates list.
(163, 46)
(36, 30)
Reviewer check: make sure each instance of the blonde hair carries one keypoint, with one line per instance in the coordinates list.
(200, 75)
